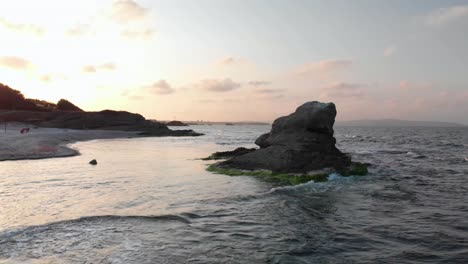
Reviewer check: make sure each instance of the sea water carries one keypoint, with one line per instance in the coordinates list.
(150, 200)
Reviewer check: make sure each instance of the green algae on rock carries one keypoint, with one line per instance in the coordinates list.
(356, 169)
(269, 176)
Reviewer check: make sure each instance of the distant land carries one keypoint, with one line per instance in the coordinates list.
(349, 123)
(202, 122)
(396, 123)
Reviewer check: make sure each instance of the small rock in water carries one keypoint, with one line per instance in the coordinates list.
(93, 162)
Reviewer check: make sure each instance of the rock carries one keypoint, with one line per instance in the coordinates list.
(229, 154)
(105, 120)
(298, 143)
(93, 162)
(175, 123)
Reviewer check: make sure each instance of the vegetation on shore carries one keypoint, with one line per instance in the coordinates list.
(11, 99)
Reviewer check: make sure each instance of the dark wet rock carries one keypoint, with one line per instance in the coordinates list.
(93, 162)
(229, 154)
(298, 143)
(175, 123)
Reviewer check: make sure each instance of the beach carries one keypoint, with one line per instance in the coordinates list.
(40, 143)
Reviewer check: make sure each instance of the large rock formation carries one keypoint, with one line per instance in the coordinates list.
(298, 143)
(106, 120)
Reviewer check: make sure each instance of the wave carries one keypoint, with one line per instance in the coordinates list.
(184, 218)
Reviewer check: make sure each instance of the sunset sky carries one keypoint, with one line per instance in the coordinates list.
(225, 60)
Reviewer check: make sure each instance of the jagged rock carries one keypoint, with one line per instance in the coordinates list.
(298, 143)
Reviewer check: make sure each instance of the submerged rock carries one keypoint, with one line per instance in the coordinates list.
(298, 143)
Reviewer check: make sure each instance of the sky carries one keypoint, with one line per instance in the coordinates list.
(232, 60)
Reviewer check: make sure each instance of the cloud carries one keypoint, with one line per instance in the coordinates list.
(407, 86)
(342, 90)
(323, 69)
(268, 91)
(136, 97)
(446, 15)
(214, 85)
(45, 78)
(94, 68)
(127, 93)
(258, 83)
(206, 101)
(89, 69)
(107, 66)
(49, 77)
(230, 61)
(15, 63)
(78, 30)
(389, 51)
(160, 87)
(23, 28)
(134, 34)
(125, 11)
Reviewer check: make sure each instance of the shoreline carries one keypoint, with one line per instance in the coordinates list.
(44, 143)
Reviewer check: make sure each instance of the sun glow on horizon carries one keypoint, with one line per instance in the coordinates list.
(169, 59)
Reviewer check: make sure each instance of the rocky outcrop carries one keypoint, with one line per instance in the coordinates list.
(105, 120)
(229, 154)
(298, 143)
(175, 123)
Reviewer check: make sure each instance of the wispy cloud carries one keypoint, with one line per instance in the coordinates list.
(107, 66)
(342, 90)
(125, 11)
(258, 83)
(389, 51)
(230, 61)
(49, 77)
(89, 69)
(447, 15)
(160, 87)
(15, 63)
(325, 70)
(137, 34)
(215, 85)
(130, 95)
(22, 28)
(268, 91)
(78, 30)
(94, 68)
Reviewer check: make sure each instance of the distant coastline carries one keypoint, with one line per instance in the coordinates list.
(395, 123)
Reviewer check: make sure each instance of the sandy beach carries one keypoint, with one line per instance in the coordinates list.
(40, 143)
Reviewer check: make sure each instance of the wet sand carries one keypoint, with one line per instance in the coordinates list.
(41, 143)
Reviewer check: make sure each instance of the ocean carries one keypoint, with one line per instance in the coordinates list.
(150, 200)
